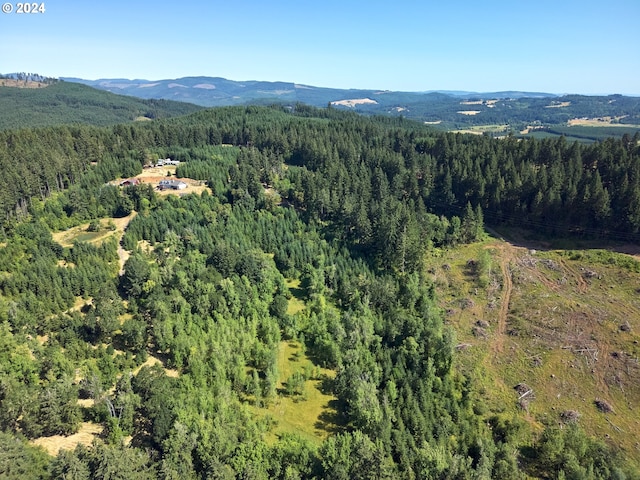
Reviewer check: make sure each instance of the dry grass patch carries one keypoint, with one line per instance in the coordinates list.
(469, 112)
(85, 436)
(67, 238)
(151, 361)
(9, 82)
(600, 122)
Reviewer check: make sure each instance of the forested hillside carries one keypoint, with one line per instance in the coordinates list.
(313, 237)
(552, 184)
(71, 103)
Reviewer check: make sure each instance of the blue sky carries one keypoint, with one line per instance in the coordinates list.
(559, 46)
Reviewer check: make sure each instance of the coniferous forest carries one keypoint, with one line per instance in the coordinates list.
(312, 207)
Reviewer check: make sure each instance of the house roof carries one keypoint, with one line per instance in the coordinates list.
(172, 183)
(130, 181)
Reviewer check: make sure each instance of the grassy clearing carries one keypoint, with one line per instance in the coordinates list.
(85, 436)
(572, 334)
(109, 227)
(296, 302)
(313, 414)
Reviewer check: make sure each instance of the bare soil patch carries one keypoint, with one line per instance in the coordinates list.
(354, 101)
(469, 112)
(154, 175)
(507, 255)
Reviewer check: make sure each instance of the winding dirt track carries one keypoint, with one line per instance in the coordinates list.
(506, 299)
(507, 254)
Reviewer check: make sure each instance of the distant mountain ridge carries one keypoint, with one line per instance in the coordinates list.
(75, 100)
(217, 91)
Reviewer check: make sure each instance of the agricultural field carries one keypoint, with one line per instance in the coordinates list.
(600, 122)
(584, 131)
(548, 336)
(485, 129)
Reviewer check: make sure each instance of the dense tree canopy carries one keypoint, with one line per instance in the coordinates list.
(345, 207)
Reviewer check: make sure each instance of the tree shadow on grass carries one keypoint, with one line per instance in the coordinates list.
(298, 293)
(332, 419)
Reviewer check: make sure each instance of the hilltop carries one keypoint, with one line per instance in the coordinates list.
(40, 103)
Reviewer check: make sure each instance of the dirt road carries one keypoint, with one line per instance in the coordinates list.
(123, 255)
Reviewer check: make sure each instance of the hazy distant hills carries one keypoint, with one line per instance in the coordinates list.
(75, 100)
(452, 109)
(216, 91)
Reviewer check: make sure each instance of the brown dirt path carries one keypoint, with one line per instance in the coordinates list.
(506, 256)
(583, 286)
(123, 255)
